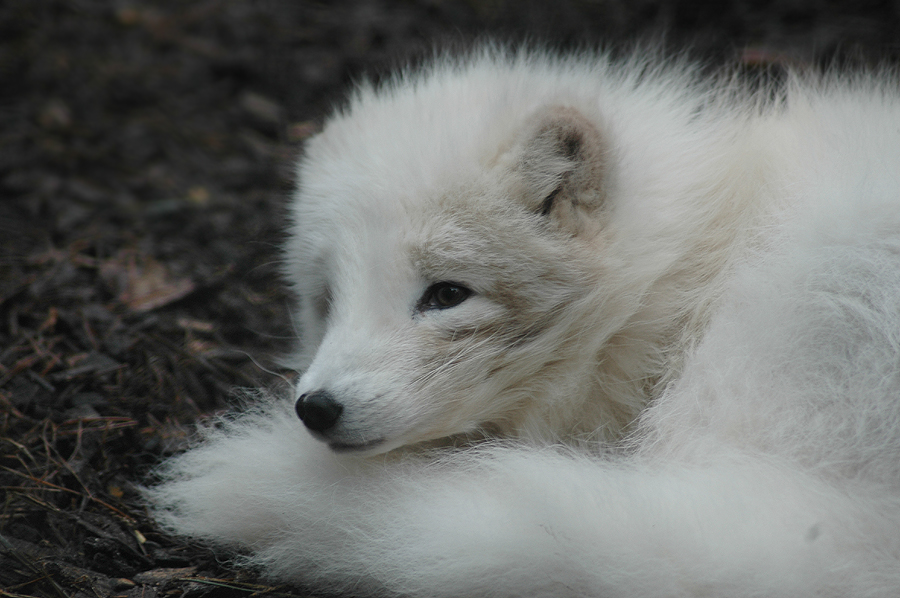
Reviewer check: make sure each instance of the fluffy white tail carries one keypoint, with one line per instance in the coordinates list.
(509, 521)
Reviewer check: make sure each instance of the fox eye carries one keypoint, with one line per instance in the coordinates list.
(444, 295)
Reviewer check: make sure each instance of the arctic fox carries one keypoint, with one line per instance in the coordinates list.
(580, 326)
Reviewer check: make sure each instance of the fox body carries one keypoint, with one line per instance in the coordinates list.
(580, 326)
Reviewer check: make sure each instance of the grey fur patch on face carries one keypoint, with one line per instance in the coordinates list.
(494, 246)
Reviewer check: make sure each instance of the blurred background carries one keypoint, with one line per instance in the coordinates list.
(146, 159)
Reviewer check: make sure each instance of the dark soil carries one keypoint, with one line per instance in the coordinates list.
(146, 155)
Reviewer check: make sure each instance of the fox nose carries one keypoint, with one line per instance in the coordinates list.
(318, 410)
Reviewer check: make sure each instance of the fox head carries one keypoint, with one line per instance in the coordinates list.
(454, 256)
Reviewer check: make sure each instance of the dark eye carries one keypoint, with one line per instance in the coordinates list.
(444, 295)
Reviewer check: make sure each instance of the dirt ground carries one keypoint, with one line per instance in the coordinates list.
(146, 156)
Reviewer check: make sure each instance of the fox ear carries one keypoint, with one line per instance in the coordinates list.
(560, 162)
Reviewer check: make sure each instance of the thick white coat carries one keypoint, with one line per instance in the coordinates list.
(677, 376)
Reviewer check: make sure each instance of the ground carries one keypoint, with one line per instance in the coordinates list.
(146, 158)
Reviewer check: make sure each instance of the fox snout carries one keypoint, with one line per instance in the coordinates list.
(318, 410)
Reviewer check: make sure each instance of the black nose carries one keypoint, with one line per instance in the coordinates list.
(318, 410)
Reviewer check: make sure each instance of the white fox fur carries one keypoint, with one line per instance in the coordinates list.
(595, 327)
